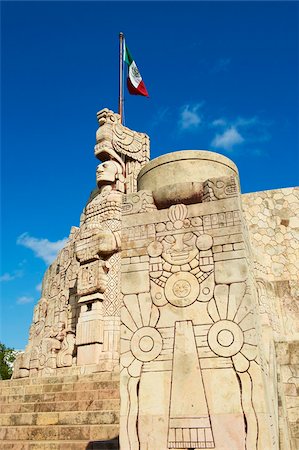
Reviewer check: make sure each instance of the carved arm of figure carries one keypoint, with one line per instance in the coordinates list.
(108, 242)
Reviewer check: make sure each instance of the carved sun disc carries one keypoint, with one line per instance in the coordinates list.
(181, 289)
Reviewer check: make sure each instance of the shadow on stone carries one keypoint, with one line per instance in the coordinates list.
(111, 444)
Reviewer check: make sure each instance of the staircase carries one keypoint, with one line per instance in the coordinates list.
(76, 412)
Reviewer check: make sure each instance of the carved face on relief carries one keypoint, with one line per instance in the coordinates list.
(107, 172)
(179, 248)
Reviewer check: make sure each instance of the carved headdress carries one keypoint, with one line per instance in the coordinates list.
(117, 142)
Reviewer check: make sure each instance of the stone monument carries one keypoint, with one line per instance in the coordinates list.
(182, 290)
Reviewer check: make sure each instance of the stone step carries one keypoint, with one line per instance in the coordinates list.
(57, 387)
(61, 413)
(97, 376)
(73, 405)
(67, 433)
(88, 395)
(112, 444)
(60, 418)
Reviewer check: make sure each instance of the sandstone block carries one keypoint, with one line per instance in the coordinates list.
(74, 432)
(73, 445)
(44, 406)
(19, 433)
(43, 433)
(104, 432)
(43, 446)
(15, 446)
(66, 406)
(51, 418)
(53, 388)
(34, 389)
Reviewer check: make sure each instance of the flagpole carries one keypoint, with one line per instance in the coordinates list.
(121, 69)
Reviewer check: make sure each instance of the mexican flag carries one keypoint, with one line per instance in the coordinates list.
(135, 83)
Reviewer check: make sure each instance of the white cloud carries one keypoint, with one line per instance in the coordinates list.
(190, 117)
(7, 277)
(229, 138)
(24, 300)
(219, 123)
(42, 248)
(11, 276)
(249, 130)
(38, 287)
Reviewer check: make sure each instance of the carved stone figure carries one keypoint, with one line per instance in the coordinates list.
(76, 322)
(187, 290)
(99, 241)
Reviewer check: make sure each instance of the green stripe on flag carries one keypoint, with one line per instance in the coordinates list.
(128, 57)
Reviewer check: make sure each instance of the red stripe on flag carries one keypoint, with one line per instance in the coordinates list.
(140, 90)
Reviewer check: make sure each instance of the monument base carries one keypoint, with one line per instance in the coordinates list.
(71, 412)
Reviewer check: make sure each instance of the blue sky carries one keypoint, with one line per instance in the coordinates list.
(221, 76)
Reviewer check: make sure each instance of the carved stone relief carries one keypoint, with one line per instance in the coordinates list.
(129, 148)
(187, 328)
(51, 341)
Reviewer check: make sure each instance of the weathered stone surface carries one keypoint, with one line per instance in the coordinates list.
(188, 166)
(200, 282)
(190, 333)
(37, 420)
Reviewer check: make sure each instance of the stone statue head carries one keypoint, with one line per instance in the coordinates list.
(109, 173)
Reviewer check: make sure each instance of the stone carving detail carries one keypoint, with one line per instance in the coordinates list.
(219, 188)
(188, 328)
(51, 341)
(139, 202)
(267, 304)
(76, 322)
(129, 148)
(197, 300)
(99, 271)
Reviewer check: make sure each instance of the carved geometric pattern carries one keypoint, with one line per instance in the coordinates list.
(112, 298)
(189, 420)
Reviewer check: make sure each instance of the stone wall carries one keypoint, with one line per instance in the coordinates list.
(273, 222)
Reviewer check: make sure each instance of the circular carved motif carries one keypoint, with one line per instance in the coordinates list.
(206, 291)
(146, 344)
(178, 224)
(155, 249)
(204, 242)
(160, 227)
(181, 289)
(225, 338)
